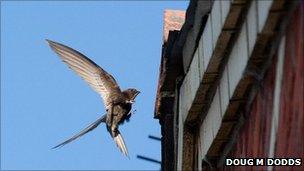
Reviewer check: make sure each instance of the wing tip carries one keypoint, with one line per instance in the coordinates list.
(55, 147)
(52, 43)
(49, 41)
(60, 145)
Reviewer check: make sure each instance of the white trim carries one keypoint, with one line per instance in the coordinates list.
(276, 101)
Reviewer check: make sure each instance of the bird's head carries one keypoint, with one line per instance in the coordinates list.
(131, 94)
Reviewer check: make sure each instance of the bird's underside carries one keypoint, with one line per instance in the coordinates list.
(119, 114)
(117, 103)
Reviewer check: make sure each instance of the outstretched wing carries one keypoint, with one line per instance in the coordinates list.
(84, 131)
(121, 143)
(102, 82)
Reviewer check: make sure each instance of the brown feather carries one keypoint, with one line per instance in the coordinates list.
(97, 78)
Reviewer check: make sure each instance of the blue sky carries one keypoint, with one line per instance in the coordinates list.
(43, 102)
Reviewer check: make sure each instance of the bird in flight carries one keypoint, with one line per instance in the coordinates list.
(118, 103)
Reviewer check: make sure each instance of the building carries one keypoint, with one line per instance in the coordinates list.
(231, 84)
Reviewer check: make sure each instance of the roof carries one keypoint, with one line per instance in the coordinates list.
(173, 20)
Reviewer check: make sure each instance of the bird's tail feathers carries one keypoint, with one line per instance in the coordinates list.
(121, 143)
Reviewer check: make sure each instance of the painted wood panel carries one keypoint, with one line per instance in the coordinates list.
(290, 129)
(253, 139)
